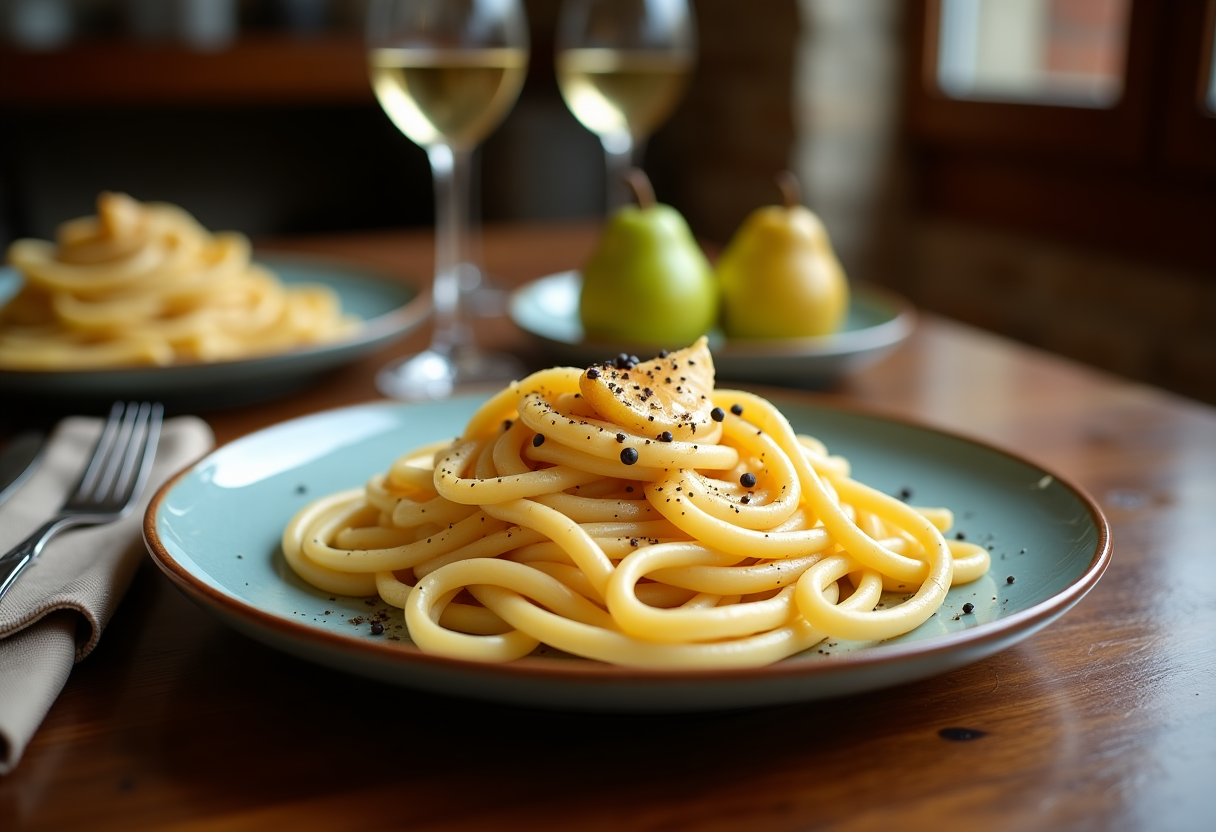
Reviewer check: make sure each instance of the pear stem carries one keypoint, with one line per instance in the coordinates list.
(791, 192)
(643, 191)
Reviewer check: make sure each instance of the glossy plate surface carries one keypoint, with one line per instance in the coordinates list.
(215, 528)
(388, 307)
(877, 323)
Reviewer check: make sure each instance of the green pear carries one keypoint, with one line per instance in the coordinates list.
(779, 275)
(648, 281)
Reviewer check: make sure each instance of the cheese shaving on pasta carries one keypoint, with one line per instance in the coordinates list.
(142, 284)
(631, 513)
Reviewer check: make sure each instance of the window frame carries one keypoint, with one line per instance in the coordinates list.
(1191, 139)
(1138, 177)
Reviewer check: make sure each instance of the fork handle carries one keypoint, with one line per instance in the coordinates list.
(14, 561)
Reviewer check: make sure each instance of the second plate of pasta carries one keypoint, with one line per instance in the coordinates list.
(384, 307)
(216, 531)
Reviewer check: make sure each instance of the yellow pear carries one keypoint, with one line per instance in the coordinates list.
(779, 276)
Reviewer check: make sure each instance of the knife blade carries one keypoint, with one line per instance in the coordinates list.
(18, 460)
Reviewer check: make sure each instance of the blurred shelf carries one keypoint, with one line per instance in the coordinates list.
(255, 70)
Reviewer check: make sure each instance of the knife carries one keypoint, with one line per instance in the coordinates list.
(18, 460)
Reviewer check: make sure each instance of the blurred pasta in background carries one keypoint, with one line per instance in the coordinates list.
(144, 284)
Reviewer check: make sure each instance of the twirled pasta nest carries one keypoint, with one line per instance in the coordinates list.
(632, 514)
(143, 284)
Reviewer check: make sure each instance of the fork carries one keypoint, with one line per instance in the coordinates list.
(108, 488)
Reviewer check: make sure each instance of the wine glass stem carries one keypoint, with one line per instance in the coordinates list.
(618, 158)
(450, 170)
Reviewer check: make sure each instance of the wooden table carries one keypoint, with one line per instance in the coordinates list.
(1105, 720)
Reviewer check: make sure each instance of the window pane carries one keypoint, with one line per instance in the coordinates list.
(1211, 96)
(1060, 52)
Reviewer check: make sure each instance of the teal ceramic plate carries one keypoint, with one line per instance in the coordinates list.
(214, 530)
(878, 321)
(388, 308)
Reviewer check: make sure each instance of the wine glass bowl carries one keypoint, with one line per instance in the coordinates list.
(446, 72)
(622, 67)
(447, 96)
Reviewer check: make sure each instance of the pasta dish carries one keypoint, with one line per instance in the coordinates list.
(632, 513)
(142, 284)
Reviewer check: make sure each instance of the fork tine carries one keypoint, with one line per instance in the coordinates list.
(101, 454)
(136, 463)
(121, 457)
(105, 485)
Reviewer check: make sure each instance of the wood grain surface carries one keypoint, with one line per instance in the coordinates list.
(1106, 720)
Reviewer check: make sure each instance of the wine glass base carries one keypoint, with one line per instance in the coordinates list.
(434, 375)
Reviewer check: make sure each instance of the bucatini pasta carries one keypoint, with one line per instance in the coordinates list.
(144, 284)
(633, 514)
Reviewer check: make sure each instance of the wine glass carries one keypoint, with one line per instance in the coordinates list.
(622, 66)
(447, 72)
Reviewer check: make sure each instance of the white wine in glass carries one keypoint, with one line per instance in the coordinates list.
(622, 67)
(447, 96)
(447, 72)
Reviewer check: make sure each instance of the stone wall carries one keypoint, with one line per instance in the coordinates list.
(1141, 320)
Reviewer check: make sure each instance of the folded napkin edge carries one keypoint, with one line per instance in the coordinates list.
(87, 623)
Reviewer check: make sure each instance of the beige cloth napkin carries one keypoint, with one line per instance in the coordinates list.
(53, 616)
